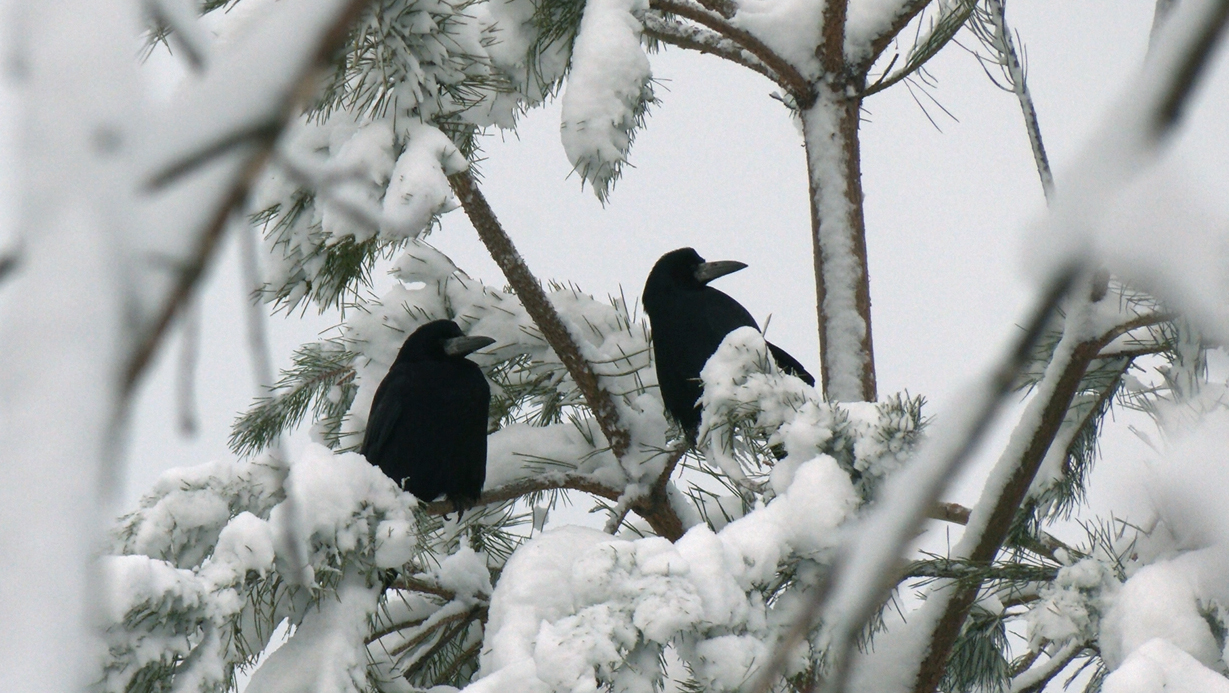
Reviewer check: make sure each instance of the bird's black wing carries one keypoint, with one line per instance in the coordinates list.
(387, 410)
(789, 364)
(722, 315)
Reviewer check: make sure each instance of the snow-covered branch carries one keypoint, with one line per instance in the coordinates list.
(213, 140)
(699, 39)
(799, 87)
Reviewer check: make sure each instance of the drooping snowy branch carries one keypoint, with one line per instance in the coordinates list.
(608, 91)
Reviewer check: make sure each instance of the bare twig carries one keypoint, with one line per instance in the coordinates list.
(537, 484)
(950, 512)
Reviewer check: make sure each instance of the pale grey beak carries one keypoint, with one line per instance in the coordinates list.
(460, 346)
(708, 271)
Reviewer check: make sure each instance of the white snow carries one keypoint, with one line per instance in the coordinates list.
(573, 603)
(791, 28)
(608, 80)
(866, 20)
(843, 354)
(327, 652)
(1159, 667)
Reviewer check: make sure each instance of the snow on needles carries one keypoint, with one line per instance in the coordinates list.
(607, 92)
(190, 567)
(576, 609)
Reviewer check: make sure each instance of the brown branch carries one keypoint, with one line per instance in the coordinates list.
(725, 8)
(655, 508)
(950, 512)
(413, 584)
(537, 484)
(881, 42)
(1007, 503)
(1050, 668)
(540, 309)
(1191, 66)
(789, 76)
(702, 40)
(845, 141)
(151, 336)
(831, 50)
(445, 638)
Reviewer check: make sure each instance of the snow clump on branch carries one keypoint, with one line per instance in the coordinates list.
(576, 609)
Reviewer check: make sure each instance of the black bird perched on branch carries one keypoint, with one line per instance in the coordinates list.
(428, 423)
(689, 320)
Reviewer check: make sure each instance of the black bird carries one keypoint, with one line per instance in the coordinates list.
(428, 423)
(689, 320)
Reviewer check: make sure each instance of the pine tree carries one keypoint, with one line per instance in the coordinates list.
(725, 566)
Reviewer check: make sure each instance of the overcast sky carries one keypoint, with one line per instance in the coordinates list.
(720, 167)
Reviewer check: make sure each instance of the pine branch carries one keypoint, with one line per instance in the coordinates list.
(554, 481)
(831, 51)
(540, 309)
(909, 10)
(790, 77)
(990, 528)
(942, 32)
(317, 369)
(991, 27)
(660, 28)
(205, 239)
(864, 572)
(1035, 679)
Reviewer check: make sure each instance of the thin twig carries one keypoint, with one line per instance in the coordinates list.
(538, 484)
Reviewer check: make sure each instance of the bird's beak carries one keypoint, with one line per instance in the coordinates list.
(460, 346)
(708, 271)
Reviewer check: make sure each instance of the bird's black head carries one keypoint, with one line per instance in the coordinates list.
(439, 340)
(684, 269)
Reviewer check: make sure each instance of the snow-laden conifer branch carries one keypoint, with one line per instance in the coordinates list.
(274, 74)
(657, 26)
(995, 511)
(879, 43)
(865, 568)
(533, 297)
(799, 87)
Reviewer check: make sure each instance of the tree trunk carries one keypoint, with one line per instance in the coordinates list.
(838, 234)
